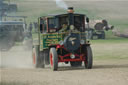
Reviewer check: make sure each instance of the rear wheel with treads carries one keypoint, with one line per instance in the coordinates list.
(38, 58)
(53, 59)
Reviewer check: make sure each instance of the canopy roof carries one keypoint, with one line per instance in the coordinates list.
(59, 15)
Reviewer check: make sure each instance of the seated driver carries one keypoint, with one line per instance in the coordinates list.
(64, 28)
(73, 29)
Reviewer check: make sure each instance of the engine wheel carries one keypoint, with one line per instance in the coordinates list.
(53, 59)
(76, 63)
(37, 57)
(89, 58)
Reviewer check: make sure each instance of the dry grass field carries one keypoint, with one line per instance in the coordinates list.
(110, 66)
(115, 11)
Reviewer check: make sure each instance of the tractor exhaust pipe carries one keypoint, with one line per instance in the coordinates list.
(70, 15)
(70, 10)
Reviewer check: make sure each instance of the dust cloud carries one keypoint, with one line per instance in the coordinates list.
(15, 45)
(19, 56)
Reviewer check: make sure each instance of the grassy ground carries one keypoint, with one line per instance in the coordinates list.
(111, 49)
(114, 11)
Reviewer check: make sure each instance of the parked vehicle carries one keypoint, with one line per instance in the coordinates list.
(98, 28)
(11, 31)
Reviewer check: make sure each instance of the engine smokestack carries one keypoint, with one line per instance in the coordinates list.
(70, 15)
(70, 10)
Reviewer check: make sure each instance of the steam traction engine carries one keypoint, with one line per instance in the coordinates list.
(58, 44)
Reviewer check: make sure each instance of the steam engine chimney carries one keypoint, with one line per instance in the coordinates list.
(71, 16)
(70, 10)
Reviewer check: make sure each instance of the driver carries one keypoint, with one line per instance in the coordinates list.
(64, 28)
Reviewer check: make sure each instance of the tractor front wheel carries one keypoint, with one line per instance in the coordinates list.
(53, 59)
(89, 58)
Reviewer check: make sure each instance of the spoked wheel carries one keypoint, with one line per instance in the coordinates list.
(53, 59)
(89, 58)
(76, 63)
